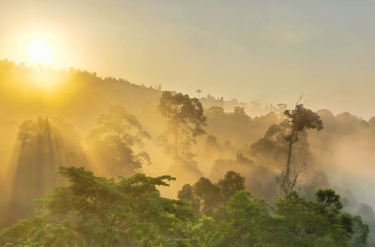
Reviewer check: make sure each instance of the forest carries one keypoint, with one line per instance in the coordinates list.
(98, 161)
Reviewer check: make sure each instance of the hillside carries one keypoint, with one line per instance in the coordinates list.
(65, 116)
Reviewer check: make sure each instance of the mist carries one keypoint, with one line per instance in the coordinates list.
(77, 123)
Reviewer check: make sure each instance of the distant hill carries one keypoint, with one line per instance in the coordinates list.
(80, 96)
(339, 156)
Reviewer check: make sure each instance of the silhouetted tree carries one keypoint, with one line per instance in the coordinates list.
(299, 119)
(199, 92)
(231, 183)
(211, 146)
(185, 123)
(113, 141)
(215, 112)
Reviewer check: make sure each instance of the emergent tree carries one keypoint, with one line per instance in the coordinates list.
(299, 120)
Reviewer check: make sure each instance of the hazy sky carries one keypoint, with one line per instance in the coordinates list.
(269, 51)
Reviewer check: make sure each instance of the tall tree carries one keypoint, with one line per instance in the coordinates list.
(115, 140)
(199, 92)
(185, 123)
(299, 120)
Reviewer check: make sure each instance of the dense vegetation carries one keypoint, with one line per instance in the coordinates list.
(241, 180)
(95, 211)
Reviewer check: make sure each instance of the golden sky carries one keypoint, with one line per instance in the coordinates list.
(268, 51)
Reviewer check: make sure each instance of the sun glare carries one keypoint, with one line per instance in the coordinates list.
(40, 52)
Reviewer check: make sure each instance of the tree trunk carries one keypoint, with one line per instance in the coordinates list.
(286, 182)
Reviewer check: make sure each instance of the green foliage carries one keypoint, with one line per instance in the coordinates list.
(329, 204)
(302, 222)
(209, 196)
(187, 193)
(360, 232)
(245, 217)
(38, 232)
(209, 199)
(231, 183)
(237, 219)
(75, 216)
(95, 211)
(208, 233)
(321, 222)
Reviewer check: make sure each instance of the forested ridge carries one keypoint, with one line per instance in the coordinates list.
(105, 162)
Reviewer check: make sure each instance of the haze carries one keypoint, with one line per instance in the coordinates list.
(191, 89)
(268, 51)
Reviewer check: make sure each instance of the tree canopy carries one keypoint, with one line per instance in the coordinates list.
(96, 211)
(298, 121)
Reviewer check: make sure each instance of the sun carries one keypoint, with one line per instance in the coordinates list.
(40, 52)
